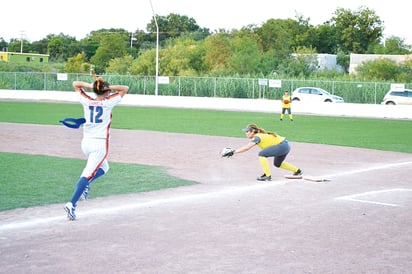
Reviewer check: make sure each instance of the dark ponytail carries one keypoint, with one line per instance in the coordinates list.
(100, 86)
(257, 129)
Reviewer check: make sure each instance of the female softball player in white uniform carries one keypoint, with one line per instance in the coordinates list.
(96, 133)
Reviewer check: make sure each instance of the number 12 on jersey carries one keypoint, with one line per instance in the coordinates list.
(96, 113)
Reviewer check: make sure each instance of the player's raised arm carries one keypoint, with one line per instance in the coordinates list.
(122, 90)
(78, 85)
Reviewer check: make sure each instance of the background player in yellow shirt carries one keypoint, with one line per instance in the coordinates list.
(286, 106)
(272, 145)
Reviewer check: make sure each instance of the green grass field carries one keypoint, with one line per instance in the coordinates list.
(36, 186)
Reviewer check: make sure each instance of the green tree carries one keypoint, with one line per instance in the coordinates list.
(77, 64)
(174, 25)
(88, 46)
(301, 32)
(217, 52)
(269, 64)
(56, 48)
(143, 41)
(195, 52)
(120, 65)
(112, 45)
(138, 41)
(405, 74)
(380, 69)
(175, 60)
(301, 64)
(59, 45)
(246, 55)
(392, 45)
(276, 34)
(323, 38)
(145, 64)
(343, 60)
(40, 46)
(357, 30)
(3, 44)
(92, 42)
(181, 57)
(396, 45)
(15, 45)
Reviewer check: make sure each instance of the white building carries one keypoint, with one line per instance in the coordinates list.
(357, 59)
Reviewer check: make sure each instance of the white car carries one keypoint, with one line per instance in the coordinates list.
(398, 97)
(313, 94)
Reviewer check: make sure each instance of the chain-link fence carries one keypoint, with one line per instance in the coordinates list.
(252, 88)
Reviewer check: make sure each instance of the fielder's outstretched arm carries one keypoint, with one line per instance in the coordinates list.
(245, 148)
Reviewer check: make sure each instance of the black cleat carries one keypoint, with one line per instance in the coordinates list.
(264, 178)
(299, 172)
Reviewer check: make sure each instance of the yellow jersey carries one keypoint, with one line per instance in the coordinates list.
(264, 140)
(286, 101)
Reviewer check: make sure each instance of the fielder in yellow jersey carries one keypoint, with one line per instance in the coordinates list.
(272, 145)
(286, 106)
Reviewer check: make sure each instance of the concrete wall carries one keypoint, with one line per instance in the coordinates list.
(251, 105)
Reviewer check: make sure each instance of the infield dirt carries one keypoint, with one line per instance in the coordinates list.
(228, 223)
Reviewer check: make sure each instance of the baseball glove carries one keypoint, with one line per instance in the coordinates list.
(227, 152)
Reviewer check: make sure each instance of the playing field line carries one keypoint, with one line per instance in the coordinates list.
(227, 191)
(368, 169)
(365, 197)
(188, 198)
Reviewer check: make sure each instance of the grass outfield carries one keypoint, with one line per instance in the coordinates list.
(382, 134)
(17, 191)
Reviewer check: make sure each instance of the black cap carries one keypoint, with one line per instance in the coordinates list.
(247, 129)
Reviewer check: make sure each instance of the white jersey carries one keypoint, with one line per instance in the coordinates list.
(98, 115)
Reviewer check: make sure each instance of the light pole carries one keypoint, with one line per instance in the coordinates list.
(132, 38)
(157, 50)
(131, 42)
(21, 41)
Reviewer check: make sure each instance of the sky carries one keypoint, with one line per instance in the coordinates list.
(34, 20)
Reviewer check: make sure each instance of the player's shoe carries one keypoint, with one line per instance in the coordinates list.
(264, 178)
(299, 172)
(70, 209)
(85, 194)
